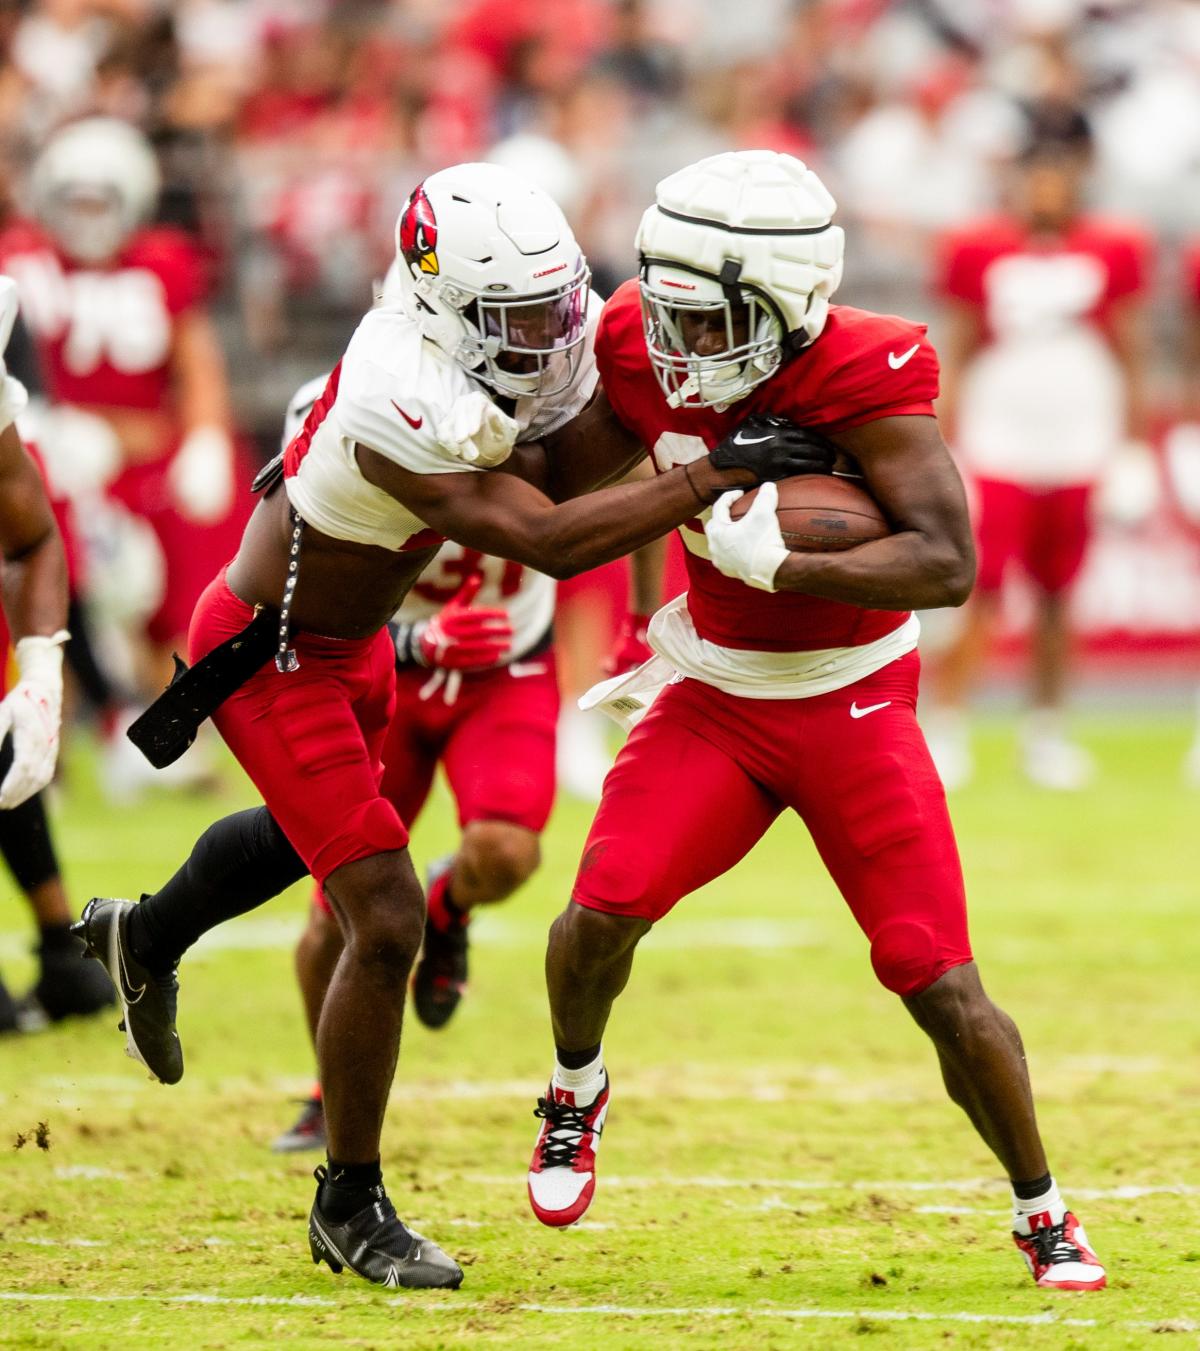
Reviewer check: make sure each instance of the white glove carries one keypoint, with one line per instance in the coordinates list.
(1182, 453)
(751, 549)
(12, 393)
(201, 475)
(477, 432)
(32, 712)
(80, 450)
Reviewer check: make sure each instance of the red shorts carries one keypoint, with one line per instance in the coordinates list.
(495, 741)
(1046, 531)
(704, 774)
(191, 552)
(311, 740)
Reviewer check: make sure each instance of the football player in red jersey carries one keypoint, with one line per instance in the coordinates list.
(1044, 383)
(787, 680)
(477, 369)
(116, 308)
(33, 615)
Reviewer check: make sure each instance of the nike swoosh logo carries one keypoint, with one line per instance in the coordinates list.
(415, 422)
(749, 440)
(895, 362)
(856, 712)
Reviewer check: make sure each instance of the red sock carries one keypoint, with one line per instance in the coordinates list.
(443, 913)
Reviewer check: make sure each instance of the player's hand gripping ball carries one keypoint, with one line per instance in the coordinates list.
(822, 513)
(771, 447)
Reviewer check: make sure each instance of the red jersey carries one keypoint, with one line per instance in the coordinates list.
(862, 367)
(1018, 279)
(1191, 274)
(105, 334)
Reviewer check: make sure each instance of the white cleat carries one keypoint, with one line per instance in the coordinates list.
(1053, 762)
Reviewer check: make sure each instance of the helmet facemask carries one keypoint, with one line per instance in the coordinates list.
(528, 346)
(739, 325)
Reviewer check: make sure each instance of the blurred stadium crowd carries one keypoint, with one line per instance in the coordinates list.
(290, 130)
(288, 133)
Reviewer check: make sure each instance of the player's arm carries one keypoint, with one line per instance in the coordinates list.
(499, 513)
(1131, 343)
(202, 475)
(591, 451)
(647, 566)
(35, 569)
(961, 338)
(929, 560)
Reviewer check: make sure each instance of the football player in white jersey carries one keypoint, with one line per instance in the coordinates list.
(389, 463)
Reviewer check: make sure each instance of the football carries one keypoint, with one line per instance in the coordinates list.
(819, 513)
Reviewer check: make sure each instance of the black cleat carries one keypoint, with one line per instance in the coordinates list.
(147, 998)
(308, 1132)
(68, 985)
(441, 975)
(375, 1245)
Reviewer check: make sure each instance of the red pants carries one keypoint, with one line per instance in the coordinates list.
(495, 742)
(1046, 531)
(311, 740)
(704, 774)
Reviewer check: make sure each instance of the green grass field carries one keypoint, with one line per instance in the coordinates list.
(780, 1168)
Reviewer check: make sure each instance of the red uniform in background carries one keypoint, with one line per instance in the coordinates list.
(105, 336)
(1043, 404)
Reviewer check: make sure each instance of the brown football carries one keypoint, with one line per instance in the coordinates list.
(822, 512)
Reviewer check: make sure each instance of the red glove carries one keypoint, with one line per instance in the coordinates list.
(459, 638)
(631, 647)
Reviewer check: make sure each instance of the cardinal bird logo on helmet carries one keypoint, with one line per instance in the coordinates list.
(418, 233)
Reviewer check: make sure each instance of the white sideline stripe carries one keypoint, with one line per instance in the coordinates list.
(454, 1305)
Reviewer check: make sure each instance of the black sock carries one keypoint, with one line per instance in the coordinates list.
(237, 864)
(346, 1188)
(576, 1060)
(1028, 1191)
(26, 845)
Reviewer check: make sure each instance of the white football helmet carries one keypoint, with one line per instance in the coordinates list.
(488, 267)
(738, 255)
(94, 183)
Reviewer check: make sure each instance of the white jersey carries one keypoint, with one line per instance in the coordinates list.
(390, 392)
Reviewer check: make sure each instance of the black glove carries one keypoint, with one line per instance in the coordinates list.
(771, 447)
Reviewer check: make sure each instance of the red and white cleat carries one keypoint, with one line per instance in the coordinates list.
(1059, 1256)
(562, 1173)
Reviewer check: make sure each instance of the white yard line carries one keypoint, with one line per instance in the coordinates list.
(451, 1304)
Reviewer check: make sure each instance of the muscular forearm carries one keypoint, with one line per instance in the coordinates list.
(902, 572)
(594, 529)
(35, 589)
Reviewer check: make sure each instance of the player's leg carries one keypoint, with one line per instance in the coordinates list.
(499, 761)
(1054, 553)
(676, 812)
(316, 956)
(66, 984)
(1001, 508)
(878, 817)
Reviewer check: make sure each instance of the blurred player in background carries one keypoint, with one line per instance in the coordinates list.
(1043, 384)
(134, 373)
(785, 680)
(34, 612)
(389, 463)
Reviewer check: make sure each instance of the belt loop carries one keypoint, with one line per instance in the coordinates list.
(286, 659)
